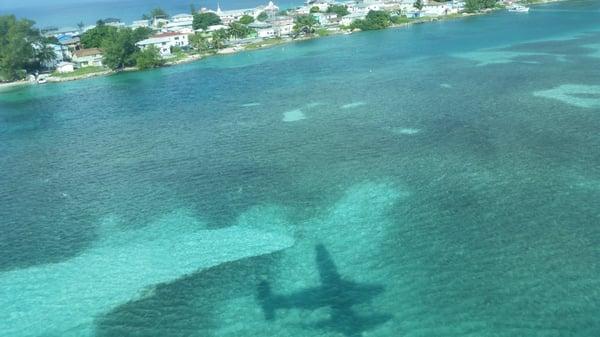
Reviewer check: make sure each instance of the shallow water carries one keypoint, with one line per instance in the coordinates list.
(454, 167)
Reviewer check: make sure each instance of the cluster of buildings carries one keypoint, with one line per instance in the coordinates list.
(174, 31)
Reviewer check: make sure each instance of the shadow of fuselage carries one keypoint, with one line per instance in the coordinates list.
(336, 293)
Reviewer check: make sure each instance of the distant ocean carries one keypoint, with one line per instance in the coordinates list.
(64, 13)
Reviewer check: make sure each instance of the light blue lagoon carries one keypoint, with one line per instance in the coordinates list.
(434, 180)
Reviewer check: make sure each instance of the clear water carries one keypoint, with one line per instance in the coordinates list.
(450, 171)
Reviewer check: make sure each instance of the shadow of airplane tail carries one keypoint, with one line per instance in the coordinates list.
(265, 299)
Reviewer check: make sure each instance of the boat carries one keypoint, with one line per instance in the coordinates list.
(518, 9)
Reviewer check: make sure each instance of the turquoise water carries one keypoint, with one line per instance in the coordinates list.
(449, 173)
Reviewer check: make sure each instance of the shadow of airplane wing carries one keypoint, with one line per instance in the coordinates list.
(308, 299)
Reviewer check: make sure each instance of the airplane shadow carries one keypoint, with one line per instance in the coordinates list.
(335, 293)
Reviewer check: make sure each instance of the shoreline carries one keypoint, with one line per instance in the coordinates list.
(265, 44)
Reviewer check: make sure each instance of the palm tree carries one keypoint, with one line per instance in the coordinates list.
(238, 30)
(305, 24)
(218, 39)
(200, 43)
(45, 54)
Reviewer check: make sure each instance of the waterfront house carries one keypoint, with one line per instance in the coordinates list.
(325, 19)
(165, 41)
(90, 57)
(65, 67)
(347, 20)
(283, 25)
(438, 9)
(263, 29)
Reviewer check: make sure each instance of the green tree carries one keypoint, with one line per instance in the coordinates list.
(193, 9)
(43, 54)
(262, 16)
(218, 39)
(400, 19)
(148, 58)
(374, 20)
(418, 4)
(340, 10)
(472, 6)
(94, 37)
(119, 52)
(204, 20)
(141, 33)
(80, 26)
(22, 48)
(304, 24)
(315, 9)
(246, 20)
(238, 30)
(200, 43)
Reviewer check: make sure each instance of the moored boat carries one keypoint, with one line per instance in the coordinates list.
(518, 9)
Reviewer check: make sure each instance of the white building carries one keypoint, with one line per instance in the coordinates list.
(325, 18)
(165, 41)
(182, 18)
(438, 10)
(283, 25)
(263, 29)
(159, 22)
(347, 20)
(230, 16)
(181, 26)
(65, 67)
(140, 24)
(182, 23)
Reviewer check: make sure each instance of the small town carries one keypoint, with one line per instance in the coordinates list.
(159, 38)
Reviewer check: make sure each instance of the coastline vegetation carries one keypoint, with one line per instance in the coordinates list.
(474, 6)
(118, 46)
(23, 49)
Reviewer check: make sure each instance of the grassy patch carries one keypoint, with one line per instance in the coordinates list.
(322, 32)
(79, 72)
(178, 56)
(263, 43)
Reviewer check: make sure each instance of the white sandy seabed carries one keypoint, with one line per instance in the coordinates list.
(63, 298)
